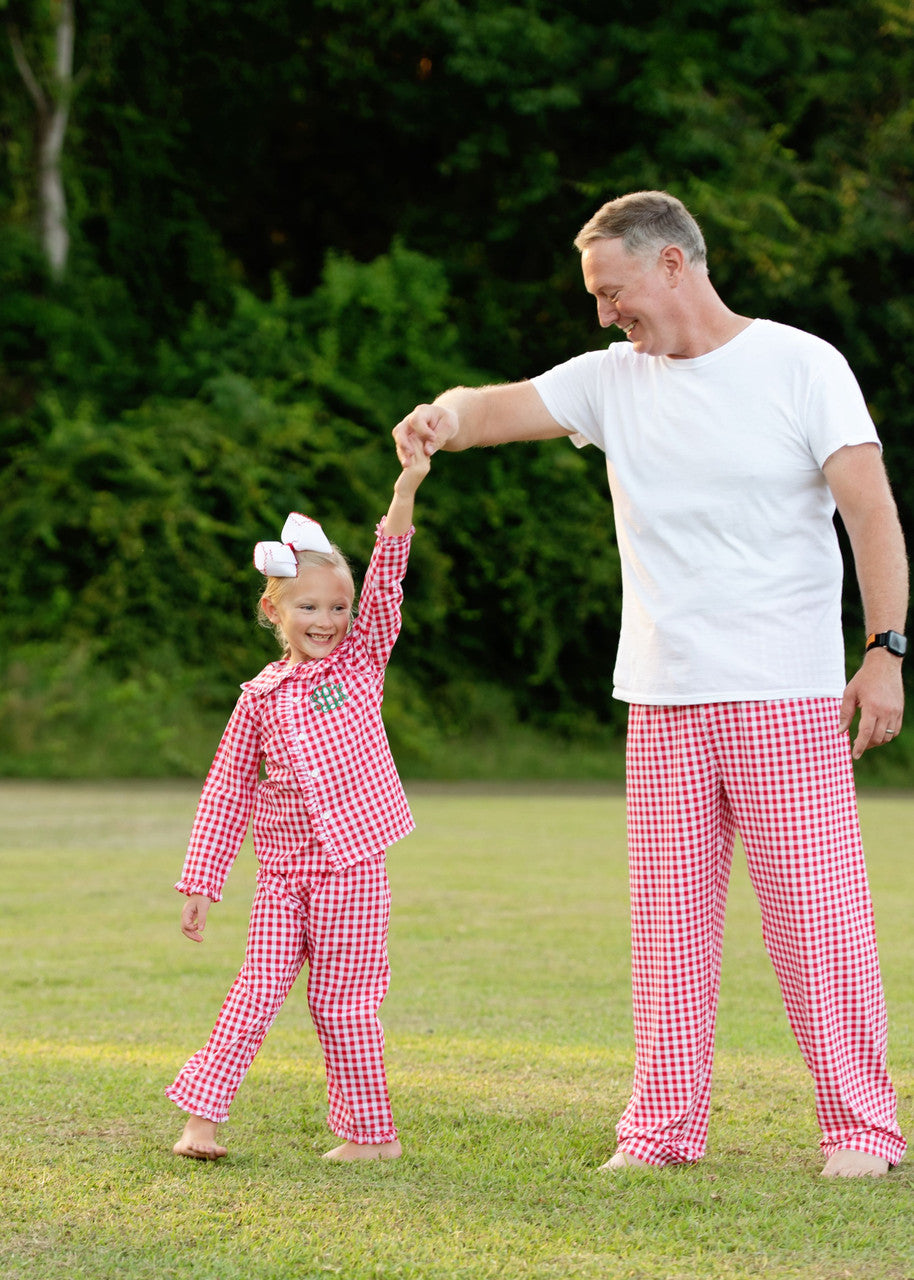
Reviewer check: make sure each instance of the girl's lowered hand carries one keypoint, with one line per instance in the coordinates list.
(193, 916)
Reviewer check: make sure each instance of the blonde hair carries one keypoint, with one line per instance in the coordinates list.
(276, 588)
(646, 222)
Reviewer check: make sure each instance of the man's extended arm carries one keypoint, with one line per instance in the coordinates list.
(857, 479)
(468, 417)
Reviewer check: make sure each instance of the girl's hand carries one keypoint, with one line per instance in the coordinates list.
(193, 916)
(416, 465)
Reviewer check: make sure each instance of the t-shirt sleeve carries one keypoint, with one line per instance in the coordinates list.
(836, 410)
(572, 392)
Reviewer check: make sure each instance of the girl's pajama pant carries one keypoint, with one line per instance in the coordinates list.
(780, 774)
(338, 924)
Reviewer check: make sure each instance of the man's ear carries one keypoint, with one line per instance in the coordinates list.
(672, 260)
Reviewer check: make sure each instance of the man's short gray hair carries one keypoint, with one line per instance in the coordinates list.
(646, 222)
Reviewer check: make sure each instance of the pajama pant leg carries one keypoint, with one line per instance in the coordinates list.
(681, 835)
(347, 981)
(275, 954)
(789, 774)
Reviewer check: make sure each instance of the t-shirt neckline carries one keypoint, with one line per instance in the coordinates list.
(719, 353)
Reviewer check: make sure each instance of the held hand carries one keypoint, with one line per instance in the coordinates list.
(193, 916)
(429, 425)
(416, 467)
(878, 692)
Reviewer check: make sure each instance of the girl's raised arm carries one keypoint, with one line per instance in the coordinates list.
(400, 514)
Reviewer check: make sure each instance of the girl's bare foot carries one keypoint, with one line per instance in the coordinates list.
(855, 1164)
(199, 1140)
(622, 1160)
(366, 1151)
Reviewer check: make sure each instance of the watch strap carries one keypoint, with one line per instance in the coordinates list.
(894, 641)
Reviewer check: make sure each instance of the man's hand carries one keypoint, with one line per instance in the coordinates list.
(878, 692)
(428, 427)
(193, 916)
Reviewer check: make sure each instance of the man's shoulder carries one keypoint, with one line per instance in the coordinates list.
(790, 340)
(589, 363)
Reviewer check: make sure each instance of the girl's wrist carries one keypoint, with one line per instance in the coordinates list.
(406, 485)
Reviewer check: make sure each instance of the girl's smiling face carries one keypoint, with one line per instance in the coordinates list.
(313, 612)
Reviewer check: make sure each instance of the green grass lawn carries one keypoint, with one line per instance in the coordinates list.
(509, 1055)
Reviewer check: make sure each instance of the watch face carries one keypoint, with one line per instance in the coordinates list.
(896, 643)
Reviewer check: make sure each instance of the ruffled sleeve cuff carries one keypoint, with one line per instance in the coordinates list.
(190, 887)
(396, 537)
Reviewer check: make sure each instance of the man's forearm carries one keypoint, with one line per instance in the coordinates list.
(498, 414)
(473, 417)
(857, 478)
(882, 571)
(468, 403)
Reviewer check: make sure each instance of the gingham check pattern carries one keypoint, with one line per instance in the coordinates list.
(338, 924)
(780, 774)
(329, 773)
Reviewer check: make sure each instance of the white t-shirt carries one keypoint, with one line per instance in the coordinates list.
(731, 569)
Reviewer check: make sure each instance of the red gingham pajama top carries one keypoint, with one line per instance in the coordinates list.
(317, 727)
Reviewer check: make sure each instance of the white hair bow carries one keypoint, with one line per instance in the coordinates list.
(299, 533)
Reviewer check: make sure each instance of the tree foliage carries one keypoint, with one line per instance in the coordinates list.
(291, 222)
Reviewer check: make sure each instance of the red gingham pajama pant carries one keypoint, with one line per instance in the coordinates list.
(338, 924)
(780, 774)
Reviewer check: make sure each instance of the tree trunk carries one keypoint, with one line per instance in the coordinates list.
(52, 110)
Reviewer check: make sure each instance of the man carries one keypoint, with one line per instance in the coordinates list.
(729, 443)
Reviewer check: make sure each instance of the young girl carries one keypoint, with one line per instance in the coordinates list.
(328, 808)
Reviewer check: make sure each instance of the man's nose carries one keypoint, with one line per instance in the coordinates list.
(607, 314)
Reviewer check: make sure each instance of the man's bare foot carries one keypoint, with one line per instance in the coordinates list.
(622, 1160)
(199, 1140)
(350, 1151)
(855, 1164)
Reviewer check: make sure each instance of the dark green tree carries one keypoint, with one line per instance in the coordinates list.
(289, 223)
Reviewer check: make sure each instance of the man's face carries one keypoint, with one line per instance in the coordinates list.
(633, 292)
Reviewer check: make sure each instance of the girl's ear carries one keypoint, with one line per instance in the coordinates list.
(270, 609)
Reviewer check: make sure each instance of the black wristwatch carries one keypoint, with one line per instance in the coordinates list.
(891, 640)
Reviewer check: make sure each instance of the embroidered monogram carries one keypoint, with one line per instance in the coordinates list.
(327, 697)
